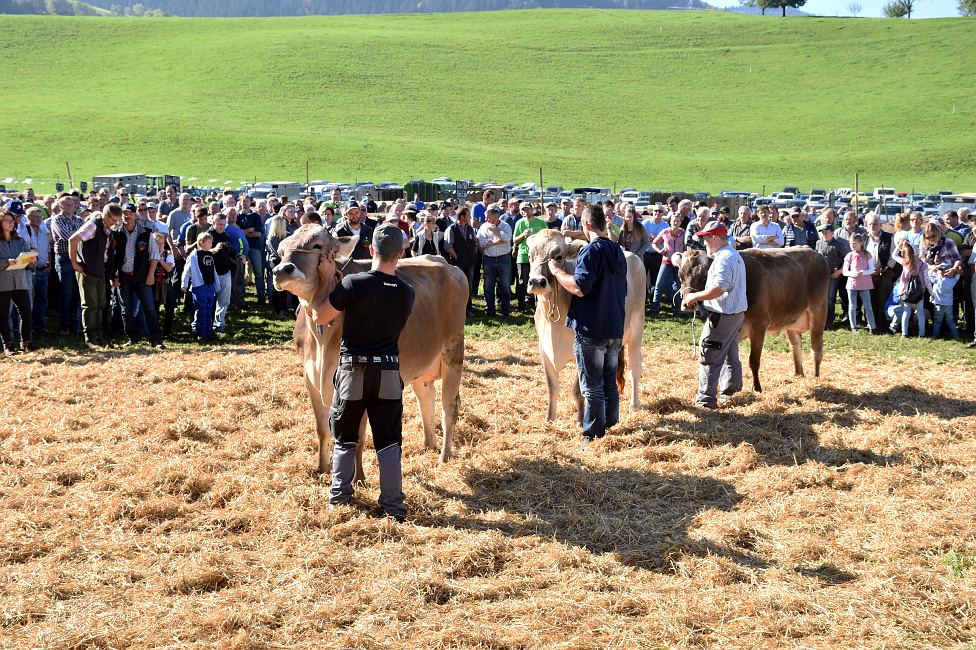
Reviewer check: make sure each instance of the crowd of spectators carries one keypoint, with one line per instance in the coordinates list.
(119, 266)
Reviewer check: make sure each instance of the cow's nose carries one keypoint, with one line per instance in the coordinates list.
(538, 282)
(287, 269)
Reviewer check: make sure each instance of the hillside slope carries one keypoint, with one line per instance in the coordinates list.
(709, 100)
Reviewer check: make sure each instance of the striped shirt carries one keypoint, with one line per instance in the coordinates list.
(727, 272)
(62, 227)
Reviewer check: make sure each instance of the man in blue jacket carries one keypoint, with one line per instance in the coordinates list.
(596, 314)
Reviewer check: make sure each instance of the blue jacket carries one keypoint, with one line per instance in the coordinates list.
(601, 274)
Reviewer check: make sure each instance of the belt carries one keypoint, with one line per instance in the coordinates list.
(354, 358)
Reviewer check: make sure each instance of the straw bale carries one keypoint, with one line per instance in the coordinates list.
(170, 501)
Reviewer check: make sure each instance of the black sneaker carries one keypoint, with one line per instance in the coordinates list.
(130, 343)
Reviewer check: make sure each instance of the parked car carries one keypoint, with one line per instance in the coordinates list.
(631, 196)
(791, 190)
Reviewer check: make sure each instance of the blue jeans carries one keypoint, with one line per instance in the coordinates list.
(865, 296)
(832, 289)
(596, 367)
(665, 287)
(136, 298)
(39, 308)
(944, 312)
(469, 274)
(69, 305)
(498, 273)
(256, 256)
(906, 317)
(223, 302)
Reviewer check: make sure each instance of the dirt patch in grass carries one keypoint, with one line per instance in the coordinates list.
(168, 500)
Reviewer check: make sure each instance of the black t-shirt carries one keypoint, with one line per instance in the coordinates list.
(223, 257)
(377, 306)
(205, 260)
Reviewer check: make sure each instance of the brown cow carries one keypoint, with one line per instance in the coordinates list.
(431, 344)
(556, 340)
(786, 289)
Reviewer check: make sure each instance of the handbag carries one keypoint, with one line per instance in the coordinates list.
(914, 291)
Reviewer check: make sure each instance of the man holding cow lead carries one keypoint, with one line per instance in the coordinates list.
(596, 315)
(725, 302)
(376, 304)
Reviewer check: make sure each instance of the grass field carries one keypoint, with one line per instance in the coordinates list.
(695, 100)
(166, 500)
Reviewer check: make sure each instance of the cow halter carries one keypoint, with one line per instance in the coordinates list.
(552, 313)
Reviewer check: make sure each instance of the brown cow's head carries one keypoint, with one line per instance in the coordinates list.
(548, 245)
(692, 271)
(308, 258)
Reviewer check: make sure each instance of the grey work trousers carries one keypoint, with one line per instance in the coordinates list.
(719, 366)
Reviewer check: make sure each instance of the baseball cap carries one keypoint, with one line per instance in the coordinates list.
(826, 226)
(794, 210)
(129, 207)
(16, 207)
(350, 206)
(387, 239)
(714, 228)
(411, 207)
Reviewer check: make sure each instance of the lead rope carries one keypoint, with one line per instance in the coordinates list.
(694, 317)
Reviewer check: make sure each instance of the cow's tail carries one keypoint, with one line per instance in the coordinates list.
(621, 369)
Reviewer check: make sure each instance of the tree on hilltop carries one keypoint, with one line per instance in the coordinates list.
(967, 7)
(899, 8)
(774, 4)
(855, 8)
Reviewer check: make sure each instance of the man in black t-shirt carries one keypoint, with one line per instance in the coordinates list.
(224, 255)
(376, 306)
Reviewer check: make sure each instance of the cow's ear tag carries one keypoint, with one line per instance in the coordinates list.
(574, 248)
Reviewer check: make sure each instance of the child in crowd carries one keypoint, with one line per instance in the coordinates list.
(942, 287)
(162, 297)
(858, 267)
(911, 266)
(200, 277)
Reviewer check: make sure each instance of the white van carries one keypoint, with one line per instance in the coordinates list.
(886, 193)
(280, 189)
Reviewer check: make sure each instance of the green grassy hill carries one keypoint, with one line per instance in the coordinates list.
(702, 100)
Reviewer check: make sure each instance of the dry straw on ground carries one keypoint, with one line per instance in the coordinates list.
(168, 501)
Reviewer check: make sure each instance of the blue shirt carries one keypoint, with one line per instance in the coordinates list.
(601, 274)
(238, 239)
(655, 229)
(727, 272)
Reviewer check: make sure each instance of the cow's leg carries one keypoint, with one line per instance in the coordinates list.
(360, 472)
(796, 348)
(451, 395)
(635, 359)
(424, 390)
(816, 346)
(320, 408)
(578, 396)
(756, 341)
(552, 383)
